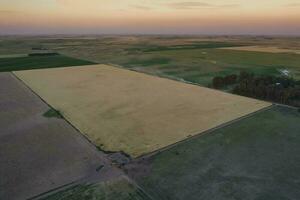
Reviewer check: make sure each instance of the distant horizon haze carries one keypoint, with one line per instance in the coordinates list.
(214, 17)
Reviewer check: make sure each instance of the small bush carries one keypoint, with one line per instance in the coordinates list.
(52, 113)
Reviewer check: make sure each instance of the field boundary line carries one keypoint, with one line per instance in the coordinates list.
(53, 191)
(101, 155)
(137, 186)
(226, 124)
(158, 75)
(196, 84)
(287, 106)
(84, 180)
(180, 80)
(89, 142)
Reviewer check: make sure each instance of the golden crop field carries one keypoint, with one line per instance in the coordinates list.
(267, 49)
(122, 110)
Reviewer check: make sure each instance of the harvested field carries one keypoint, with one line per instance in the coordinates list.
(267, 49)
(37, 154)
(122, 110)
(255, 158)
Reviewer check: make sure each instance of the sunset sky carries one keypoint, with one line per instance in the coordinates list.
(150, 17)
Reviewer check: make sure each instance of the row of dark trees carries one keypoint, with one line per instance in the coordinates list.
(282, 90)
(220, 82)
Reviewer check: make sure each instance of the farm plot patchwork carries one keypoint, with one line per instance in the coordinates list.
(254, 158)
(122, 110)
(201, 66)
(37, 154)
(194, 59)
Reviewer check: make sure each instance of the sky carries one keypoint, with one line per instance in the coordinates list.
(217, 17)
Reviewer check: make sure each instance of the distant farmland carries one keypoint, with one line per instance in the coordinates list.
(39, 61)
(268, 49)
(122, 110)
(191, 58)
(201, 65)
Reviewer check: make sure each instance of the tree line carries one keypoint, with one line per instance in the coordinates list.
(284, 90)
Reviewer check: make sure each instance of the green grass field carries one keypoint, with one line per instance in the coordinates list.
(119, 189)
(38, 62)
(201, 65)
(255, 158)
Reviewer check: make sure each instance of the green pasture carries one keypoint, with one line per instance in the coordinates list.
(255, 158)
(201, 65)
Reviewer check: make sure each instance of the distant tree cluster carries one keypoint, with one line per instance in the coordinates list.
(44, 54)
(282, 90)
(221, 82)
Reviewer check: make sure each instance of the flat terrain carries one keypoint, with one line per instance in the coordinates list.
(122, 110)
(270, 49)
(255, 158)
(209, 63)
(37, 154)
(117, 189)
(249, 157)
(36, 62)
(195, 59)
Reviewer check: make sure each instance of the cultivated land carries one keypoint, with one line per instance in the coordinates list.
(37, 154)
(37, 62)
(255, 158)
(191, 58)
(195, 59)
(267, 49)
(122, 110)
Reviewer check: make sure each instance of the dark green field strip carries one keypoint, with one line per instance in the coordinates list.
(255, 158)
(38, 62)
(196, 45)
(119, 189)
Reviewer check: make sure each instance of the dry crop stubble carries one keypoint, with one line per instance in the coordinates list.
(122, 110)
